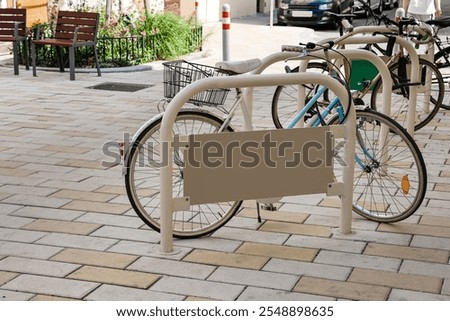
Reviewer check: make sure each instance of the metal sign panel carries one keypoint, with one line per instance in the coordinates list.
(258, 164)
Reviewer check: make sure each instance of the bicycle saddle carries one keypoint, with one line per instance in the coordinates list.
(239, 67)
(442, 22)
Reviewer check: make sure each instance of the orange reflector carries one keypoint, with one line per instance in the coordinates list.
(405, 184)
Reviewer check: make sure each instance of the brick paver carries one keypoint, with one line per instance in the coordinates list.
(68, 232)
(397, 280)
(346, 290)
(94, 258)
(133, 279)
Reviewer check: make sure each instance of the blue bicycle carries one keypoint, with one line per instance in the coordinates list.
(390, 174)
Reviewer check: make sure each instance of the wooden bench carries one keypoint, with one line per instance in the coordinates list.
(73, 30)
(13, 29)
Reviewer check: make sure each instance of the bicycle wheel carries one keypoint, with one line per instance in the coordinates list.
(442, 61)
(428, 101)
(285, 98)
(143, 171)
(390, 179)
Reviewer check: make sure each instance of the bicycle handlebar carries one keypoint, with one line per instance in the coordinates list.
(306, 48)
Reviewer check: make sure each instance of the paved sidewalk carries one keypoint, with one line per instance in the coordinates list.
(67, 231)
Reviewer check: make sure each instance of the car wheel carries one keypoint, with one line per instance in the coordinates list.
(389, 5)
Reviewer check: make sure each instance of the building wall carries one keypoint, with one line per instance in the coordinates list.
(117, 5)
(172, 5)
(211, 10)
(208, 10)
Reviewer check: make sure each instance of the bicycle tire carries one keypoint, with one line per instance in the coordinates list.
(380, 190)
(400, 95)
(442, 64)
(285, 98)
(142, 177)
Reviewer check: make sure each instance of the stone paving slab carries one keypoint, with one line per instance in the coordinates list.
(68, 232)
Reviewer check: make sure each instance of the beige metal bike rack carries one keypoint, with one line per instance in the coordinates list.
(353, 38)
(345, 189)
(350, 54)
(415, 72)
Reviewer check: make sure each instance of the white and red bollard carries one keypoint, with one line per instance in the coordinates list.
(196, 11)
(226, 22)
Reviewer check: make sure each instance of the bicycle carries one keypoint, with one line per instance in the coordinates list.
(427, 91)
(441, 56)
(401, 69)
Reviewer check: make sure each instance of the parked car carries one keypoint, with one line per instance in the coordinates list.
(389, 4)
(310, 13)
(376, 5)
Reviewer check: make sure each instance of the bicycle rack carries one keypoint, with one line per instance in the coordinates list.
(415, 74)
(345, 189)
(360, 54)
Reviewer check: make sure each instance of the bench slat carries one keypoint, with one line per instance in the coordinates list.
(8, 19)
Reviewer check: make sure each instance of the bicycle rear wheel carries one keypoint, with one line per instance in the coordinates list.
(390, 179)
(428, 101)
(143, 163)
(442, 61)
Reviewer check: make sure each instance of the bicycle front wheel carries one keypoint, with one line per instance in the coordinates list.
(144, 162)
(285, 98)
(390, 174)
(429, 97)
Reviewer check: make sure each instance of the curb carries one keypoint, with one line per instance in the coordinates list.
(7, 61)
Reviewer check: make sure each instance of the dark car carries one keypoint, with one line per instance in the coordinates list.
(389, 4)
(310, 13)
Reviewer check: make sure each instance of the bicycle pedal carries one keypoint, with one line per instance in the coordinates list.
(359, 102)
(121, 146)
(268, 207)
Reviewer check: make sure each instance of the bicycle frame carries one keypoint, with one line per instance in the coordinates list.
(239, 102)
(315, 120)
(350, 54)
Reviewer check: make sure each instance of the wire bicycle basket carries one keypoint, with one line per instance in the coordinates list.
(180, 73)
